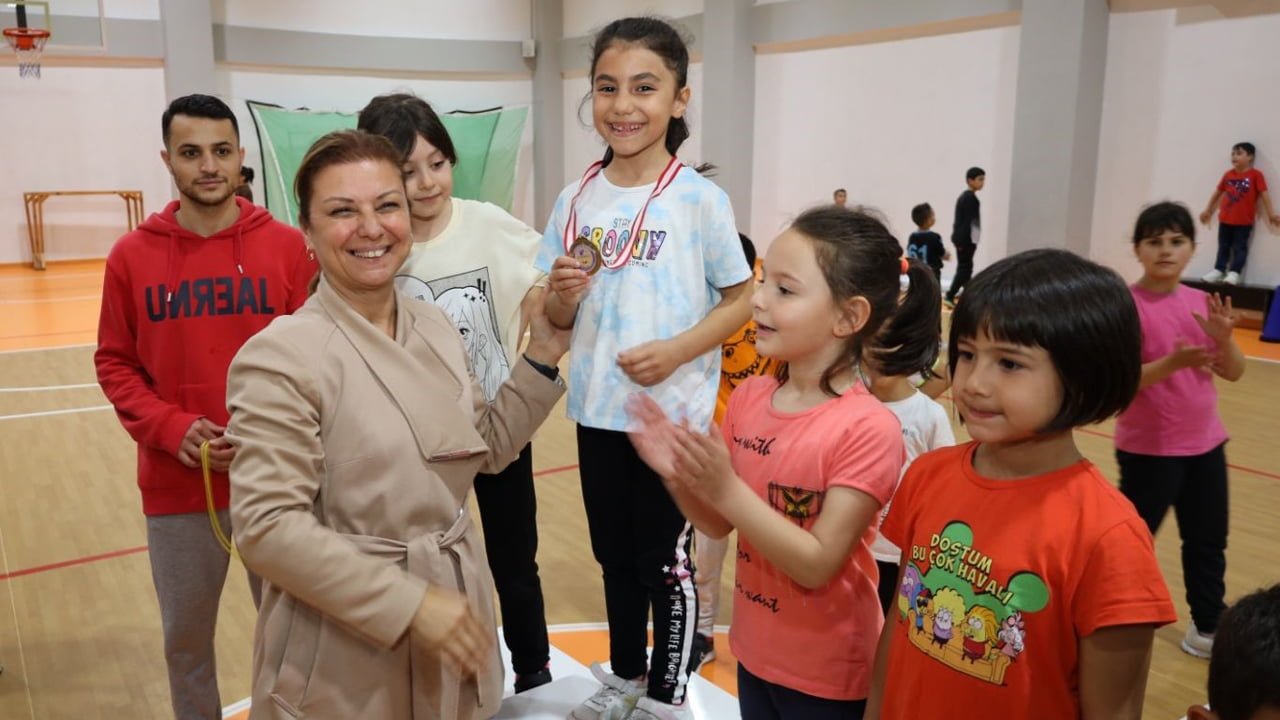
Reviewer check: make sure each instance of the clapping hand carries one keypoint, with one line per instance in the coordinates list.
(685, 459)
(1218, 321)
(1185, 355)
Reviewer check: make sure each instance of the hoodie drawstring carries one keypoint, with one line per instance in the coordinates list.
(236, 247)
(171, 273)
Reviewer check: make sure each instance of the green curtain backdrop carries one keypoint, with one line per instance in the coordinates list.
(487, 143)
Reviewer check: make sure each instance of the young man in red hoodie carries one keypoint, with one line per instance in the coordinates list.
(182, 293)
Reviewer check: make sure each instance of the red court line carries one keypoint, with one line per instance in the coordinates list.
(1109, 436)
(1233, 466)
(143, 548)
(76, 561)
(554, 470)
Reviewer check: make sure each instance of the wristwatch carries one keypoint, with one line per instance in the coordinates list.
(550, 372)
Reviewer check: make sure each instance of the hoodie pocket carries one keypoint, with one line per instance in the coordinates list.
(209, 400)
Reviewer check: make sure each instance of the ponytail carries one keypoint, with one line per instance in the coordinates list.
(911, 339)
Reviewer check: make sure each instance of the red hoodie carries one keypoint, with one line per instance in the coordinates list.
(176, 307)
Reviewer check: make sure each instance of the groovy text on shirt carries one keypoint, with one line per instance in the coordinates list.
(612, 241)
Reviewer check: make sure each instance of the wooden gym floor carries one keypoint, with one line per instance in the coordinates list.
(79, 625)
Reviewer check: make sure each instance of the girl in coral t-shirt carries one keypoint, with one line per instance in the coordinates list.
(802, 465)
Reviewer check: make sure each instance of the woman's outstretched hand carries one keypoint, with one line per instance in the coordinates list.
(547, 343)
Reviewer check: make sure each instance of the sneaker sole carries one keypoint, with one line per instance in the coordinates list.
(1186, 648)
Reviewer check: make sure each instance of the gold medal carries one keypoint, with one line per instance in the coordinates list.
(586, 254)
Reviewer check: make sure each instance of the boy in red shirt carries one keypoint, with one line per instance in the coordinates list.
(1243, 186)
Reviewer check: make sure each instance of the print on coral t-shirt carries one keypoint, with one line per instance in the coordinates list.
(1002, 577)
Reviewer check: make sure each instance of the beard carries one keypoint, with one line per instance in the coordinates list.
(192, 192)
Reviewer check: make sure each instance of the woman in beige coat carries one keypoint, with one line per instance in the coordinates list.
(359, 430)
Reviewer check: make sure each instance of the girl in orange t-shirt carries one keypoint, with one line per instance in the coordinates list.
(803, 464)
(1028, 586)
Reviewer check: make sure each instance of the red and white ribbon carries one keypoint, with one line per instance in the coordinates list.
(665, 179)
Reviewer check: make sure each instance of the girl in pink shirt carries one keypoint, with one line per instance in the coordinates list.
(1170, 442)
(804, 462)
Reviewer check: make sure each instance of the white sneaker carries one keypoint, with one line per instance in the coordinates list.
(1197, 643)
(649, 709)
(704, 650)
(1213, 276)
(613, 701)
(1232, 278)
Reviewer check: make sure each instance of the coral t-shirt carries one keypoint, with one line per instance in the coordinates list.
(820, 642)
(1240, 195)
(1002, 579)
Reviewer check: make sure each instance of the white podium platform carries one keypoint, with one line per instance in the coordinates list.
(573, 683)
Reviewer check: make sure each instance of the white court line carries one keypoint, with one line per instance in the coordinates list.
(47, 388)
(42, 277)
(17, 631)
(43, 349)
(37, 301)
(47, 413)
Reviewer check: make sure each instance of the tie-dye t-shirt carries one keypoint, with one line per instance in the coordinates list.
(688, 247)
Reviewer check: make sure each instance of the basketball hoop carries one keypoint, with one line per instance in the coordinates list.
(27, 44)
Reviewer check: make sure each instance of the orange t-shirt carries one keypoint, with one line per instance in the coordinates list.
(739, 361)
(821, 642)
(1002, 579)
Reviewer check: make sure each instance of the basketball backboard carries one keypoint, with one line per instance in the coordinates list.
(76, 25)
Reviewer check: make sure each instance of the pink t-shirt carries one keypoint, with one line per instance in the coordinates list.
(820, 642)
(1177, 416)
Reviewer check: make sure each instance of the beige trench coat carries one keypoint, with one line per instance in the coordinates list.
(356, 454)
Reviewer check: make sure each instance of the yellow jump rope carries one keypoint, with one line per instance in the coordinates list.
(206, 468)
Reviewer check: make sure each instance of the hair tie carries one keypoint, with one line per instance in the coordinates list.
(906, 266)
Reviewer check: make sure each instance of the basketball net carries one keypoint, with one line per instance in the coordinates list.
(27, 45)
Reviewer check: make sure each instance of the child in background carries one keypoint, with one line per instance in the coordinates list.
(739, 361)
(966, 230)
(245, 188)
(1243, 186)
(1244, 673)
(1171, 443)
(803, 464)
(1029, 586)
(924, 244)
(925, 425)
(646, 265)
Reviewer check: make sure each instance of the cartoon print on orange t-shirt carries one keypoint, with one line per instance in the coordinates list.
(739, 359)
(958, 613)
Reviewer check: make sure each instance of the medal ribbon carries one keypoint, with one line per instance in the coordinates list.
(665, 179)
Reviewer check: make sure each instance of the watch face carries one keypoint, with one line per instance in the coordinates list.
(586, 254)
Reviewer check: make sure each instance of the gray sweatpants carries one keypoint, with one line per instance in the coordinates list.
(189, 568)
